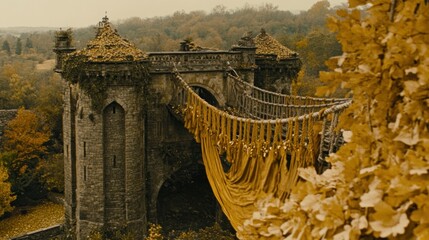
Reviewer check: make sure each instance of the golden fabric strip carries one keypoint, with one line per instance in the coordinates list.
(264, 155)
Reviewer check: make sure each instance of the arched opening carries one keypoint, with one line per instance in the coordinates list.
(206, 95)
(114, 163)
(186, 201)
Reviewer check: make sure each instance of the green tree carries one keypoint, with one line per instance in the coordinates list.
(18, 47)
(48, 105)
(20, 83)
(28, 43)
(316, 15)
(316, 48)
(6, 47)
(53, 173)
(377, 187)
(6, 196)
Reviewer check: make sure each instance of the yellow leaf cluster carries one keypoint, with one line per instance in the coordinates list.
(313, 212)
(26, 136)
(380, 186)
(5, 193)
(155, 232)
(44, 215)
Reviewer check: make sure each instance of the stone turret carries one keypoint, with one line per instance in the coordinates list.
(247, 46)
(103, 135)
(63, 46)
(278, 65)
(122, 145)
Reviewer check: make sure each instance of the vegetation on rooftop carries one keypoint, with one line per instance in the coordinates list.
(266, 44)
(108, 47)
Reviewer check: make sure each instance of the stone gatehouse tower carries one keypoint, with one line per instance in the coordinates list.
(121, 141)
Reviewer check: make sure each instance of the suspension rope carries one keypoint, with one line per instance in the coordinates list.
(282, 98)
(264, 154)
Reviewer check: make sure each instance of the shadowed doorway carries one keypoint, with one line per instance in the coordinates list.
(186, 201)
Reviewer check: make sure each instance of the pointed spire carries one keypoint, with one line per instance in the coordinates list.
(105, 19)
(104, 22)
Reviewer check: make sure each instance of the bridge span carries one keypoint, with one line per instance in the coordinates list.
(139, 127)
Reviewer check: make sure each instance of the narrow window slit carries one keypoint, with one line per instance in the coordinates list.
(84, 149)
(84, 173)
(114, 161)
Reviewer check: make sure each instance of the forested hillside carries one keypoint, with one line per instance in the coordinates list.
(221, 28)
(305, 33)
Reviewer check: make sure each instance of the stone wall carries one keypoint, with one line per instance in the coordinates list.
(114, 163)
(276, 75)
(46, 233)
(69, 145)
(169, 147)
(109, 172)
(118, 157)
(204, 61)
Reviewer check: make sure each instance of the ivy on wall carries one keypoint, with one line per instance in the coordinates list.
(106, 48)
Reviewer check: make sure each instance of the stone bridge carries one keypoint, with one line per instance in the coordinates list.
(128, 159)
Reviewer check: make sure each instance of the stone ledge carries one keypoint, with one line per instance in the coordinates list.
(44, 233)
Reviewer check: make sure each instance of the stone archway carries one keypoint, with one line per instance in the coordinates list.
(206, 95)
(186, 201)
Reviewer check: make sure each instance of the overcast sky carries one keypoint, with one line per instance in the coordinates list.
(83, 13)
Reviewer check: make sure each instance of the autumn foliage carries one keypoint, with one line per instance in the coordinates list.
(5, 194)
(24, 149)
(378, 184)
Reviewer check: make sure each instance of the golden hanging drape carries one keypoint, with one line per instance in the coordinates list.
(264, 156)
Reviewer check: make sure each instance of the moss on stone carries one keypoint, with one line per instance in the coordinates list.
(267, 45)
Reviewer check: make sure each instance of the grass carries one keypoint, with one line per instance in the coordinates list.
(46, 65)
(30, 219)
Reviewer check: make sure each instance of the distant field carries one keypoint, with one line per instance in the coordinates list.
(41, 216)
(46, 65)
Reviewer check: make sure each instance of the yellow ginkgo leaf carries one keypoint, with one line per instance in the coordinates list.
(387, 221)
(360, 223)
(374, 196)
(344, 235)
(409, 136)
(417, 165)
(422, 232)
(310, 202)
(371, 198)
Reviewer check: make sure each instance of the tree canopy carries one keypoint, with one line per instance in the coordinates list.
(377, 186)
(18, 47)
(5, 193)
(24, 149)
(6, 47)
